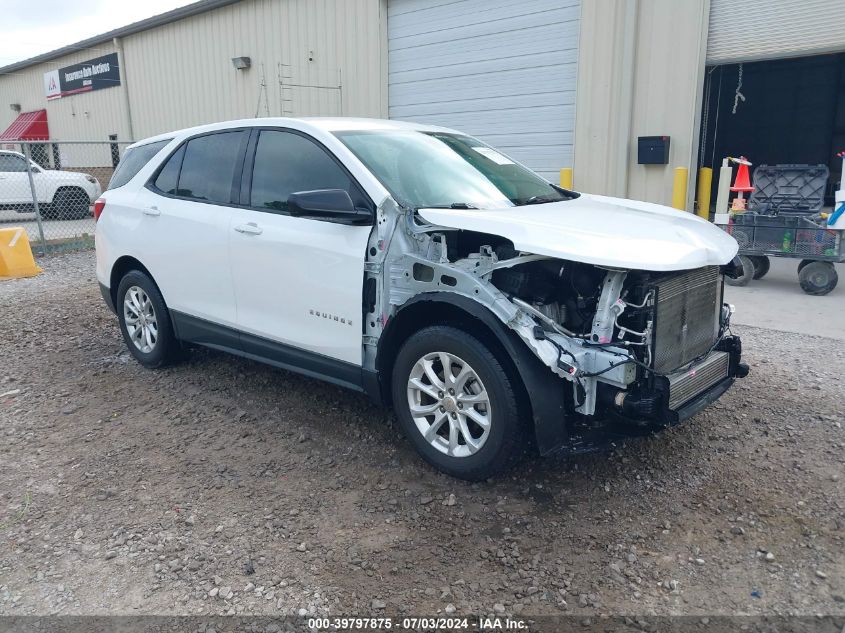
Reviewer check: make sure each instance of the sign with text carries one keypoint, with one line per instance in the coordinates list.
(95, 74)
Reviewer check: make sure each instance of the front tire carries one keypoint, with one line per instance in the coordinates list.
(145, 321)
(70, 204)
(456, 404)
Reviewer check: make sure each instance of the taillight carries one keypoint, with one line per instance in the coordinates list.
(99, 205)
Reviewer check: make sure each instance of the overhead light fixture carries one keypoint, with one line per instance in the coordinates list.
(241, 63)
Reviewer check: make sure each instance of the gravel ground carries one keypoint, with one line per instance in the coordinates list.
(223, 486)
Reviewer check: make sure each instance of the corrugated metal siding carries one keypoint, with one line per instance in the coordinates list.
(181, 74)
(769, 29)
(500, 70)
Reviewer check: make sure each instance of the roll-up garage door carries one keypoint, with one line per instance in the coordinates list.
(751, 30)
(500, 70)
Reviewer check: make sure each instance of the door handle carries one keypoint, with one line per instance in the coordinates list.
(250, 228)
(153, 211)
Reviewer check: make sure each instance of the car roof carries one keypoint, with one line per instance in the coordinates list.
(324, 124)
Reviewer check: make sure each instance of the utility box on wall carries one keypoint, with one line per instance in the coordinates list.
(653, 150)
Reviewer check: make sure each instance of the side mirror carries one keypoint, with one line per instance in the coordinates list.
(329, 204)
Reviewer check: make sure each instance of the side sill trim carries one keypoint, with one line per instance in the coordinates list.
(106, 292)
(191, 329)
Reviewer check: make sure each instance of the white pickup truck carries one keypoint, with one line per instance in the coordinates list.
(64, 195)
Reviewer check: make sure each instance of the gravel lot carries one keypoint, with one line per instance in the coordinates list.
(223, 486)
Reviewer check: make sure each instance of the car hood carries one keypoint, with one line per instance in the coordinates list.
(600, 230)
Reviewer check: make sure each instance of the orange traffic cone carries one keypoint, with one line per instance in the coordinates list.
(742, 184)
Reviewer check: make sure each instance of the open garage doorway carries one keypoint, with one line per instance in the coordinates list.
(788, 111)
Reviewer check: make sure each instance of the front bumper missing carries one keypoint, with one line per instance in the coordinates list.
(687, 384)
(732, 346)
(720, 370)
(644, 407)
(702, 400)
(667, 400)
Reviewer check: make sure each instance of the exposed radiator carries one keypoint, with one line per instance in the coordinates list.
(686, 317)
(687, 384)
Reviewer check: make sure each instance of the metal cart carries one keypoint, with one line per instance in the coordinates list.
(784, 220)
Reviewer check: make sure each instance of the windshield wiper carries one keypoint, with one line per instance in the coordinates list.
(454, 205)
(543, 199)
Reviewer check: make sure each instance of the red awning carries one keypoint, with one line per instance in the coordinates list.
(29, 126)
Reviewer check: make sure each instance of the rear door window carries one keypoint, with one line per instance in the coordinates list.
(287, 163)
(208, 167)
(133, 161)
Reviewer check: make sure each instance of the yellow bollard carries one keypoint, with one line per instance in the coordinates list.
(566, 178)
(679, 188)
(16, 255)
(705, 180)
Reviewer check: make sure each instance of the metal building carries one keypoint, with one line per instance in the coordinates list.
(178, 69)
(555, 83)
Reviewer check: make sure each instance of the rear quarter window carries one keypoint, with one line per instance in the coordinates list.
(133, 161)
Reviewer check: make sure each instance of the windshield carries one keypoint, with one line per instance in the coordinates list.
(435, 169)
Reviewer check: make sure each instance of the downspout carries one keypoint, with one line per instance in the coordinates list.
(383, 54)
(698, 96)
(127, 111)
(626, 97)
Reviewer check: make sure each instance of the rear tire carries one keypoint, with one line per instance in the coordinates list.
(761, 266)
(747, 273)
(466, 424)
(818, 278)
(145, 321)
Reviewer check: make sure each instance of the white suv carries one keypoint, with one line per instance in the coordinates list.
(419, 265)
(65, 195)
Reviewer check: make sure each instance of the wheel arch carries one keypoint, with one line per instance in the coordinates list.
(543, 395)
(71, 187)
(123, 265)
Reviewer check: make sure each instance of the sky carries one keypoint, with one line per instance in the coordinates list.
(29, 28)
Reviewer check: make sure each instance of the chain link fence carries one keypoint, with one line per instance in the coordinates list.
(49, 188)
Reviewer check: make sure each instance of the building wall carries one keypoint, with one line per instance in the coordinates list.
(86, 116)
(641, 65)
(181, 74)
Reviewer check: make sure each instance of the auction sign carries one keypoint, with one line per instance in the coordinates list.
(95, 74)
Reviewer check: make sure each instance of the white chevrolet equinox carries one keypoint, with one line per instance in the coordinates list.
(493, 310)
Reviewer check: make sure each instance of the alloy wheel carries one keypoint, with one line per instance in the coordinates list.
(449, 404)
(140, 318)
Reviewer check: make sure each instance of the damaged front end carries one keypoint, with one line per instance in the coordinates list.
(603, 351)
